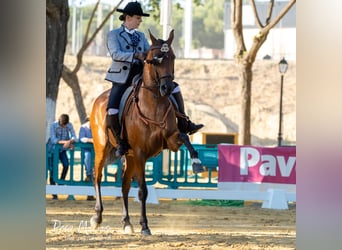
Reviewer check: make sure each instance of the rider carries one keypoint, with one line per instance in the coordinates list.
(128, 48)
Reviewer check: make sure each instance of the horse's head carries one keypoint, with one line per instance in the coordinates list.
(160, 59)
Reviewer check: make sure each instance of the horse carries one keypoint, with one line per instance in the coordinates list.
(150, 125)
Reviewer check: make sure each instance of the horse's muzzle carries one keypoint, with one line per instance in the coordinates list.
(166, 87)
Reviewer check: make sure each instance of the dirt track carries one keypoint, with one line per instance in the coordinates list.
(174, 225)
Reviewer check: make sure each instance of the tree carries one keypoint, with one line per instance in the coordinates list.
(245, 58)
(57, 16)
(207, 24)
(70, 76)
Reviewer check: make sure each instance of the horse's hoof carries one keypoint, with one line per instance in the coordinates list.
(197, 168)
(128, 229)
(93, 222)
(146, 232)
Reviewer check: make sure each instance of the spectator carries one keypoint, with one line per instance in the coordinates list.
(61, 132)
(85, 136)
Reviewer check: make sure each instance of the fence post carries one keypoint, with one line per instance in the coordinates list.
(276, 200)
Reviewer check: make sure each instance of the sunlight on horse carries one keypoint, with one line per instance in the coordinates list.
(150, 125)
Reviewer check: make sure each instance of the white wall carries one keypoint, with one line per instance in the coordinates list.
(280, 43)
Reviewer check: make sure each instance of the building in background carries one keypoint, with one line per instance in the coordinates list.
(281, 40)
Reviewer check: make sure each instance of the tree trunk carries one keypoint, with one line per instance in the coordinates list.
(71, 80)
(246, 94)
(70, 76)
(57, 15)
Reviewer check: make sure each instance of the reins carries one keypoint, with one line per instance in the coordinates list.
(146, 120)
(134, 98)
(152, 89)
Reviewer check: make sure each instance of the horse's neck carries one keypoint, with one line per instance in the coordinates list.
(148, 88)
(147, 79)
(149, 95)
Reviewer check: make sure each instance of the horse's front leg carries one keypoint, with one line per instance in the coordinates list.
(126, 185)
(197, 166)
(143, 197)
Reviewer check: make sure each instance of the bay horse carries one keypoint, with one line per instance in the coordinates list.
(150, 125)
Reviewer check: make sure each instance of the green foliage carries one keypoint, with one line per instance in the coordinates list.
(207, 25)
(151, 23)
(154, 10)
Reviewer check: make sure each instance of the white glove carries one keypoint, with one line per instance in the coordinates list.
(84, 139)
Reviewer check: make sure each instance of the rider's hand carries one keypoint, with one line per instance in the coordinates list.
(140, 55)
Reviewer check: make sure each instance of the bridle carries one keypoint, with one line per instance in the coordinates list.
(156, 61)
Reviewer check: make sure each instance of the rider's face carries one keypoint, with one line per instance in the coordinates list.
(133, 22)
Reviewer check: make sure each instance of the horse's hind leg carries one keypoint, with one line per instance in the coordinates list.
(197, 166)
(100, 157)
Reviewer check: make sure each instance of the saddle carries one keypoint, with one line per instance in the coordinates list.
(136, 82)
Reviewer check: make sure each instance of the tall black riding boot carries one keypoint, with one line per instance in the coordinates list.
(184, 123)
(114, 125)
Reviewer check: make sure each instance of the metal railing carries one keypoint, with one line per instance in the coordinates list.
(172, 169)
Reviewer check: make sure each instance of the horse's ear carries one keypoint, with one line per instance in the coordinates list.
(170, 39)
(153, 39)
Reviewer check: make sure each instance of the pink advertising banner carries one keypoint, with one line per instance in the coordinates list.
(257, 164)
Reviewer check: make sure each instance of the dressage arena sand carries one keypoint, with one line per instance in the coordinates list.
(174, 225)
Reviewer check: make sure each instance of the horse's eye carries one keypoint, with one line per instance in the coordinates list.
(158, 59)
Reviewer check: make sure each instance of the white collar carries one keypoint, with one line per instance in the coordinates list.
(129, 31)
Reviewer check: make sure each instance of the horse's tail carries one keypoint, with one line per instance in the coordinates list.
(110, 138)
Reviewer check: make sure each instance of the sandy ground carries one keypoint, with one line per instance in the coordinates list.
(174, 225)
